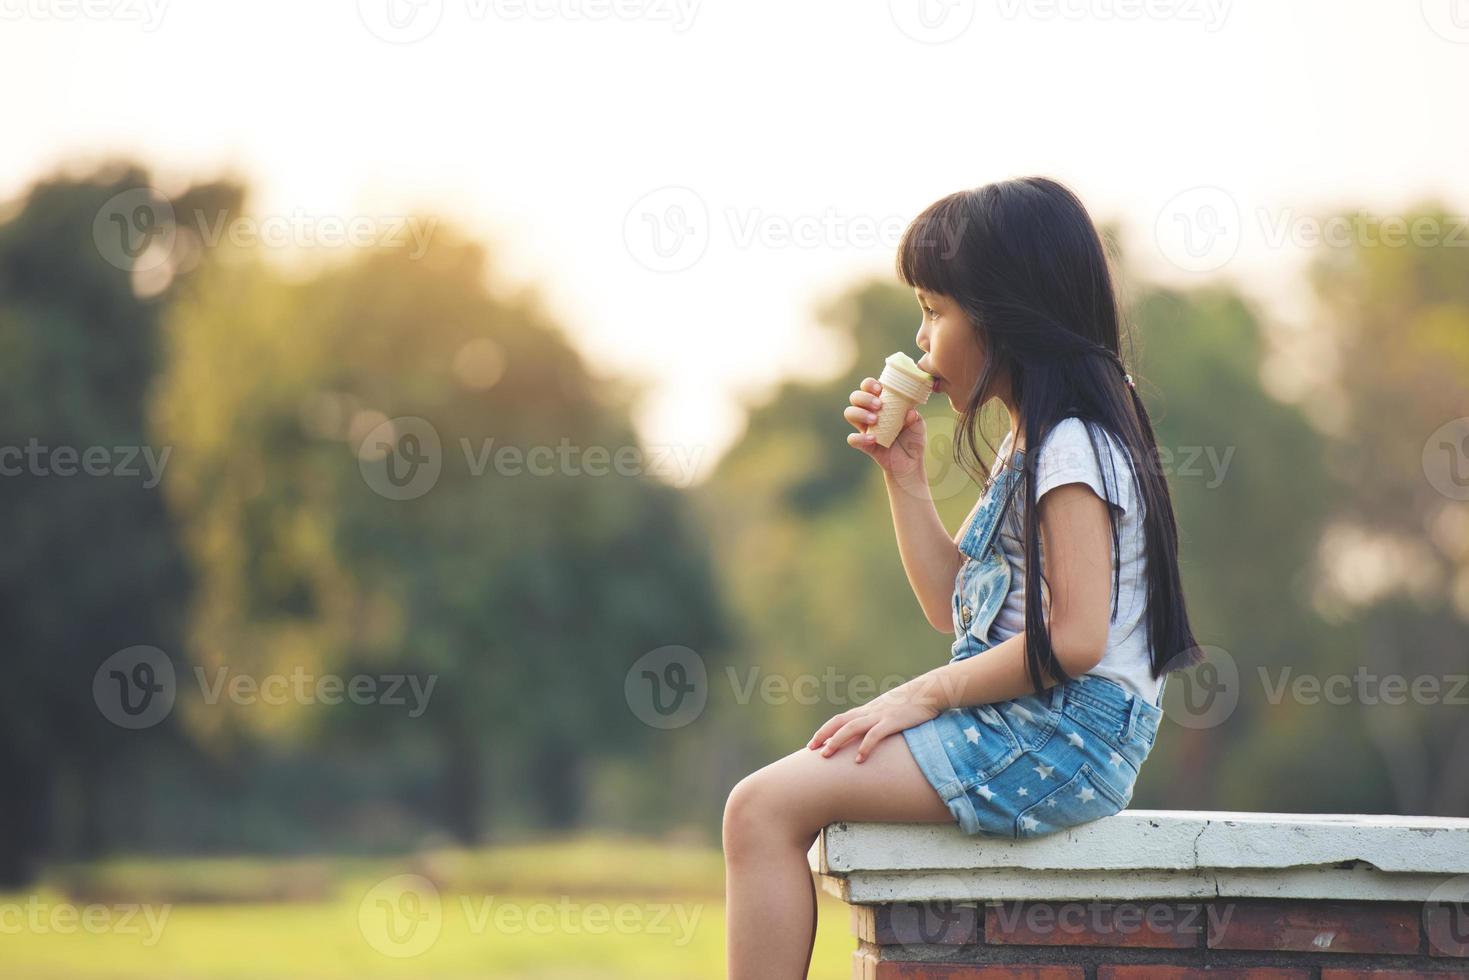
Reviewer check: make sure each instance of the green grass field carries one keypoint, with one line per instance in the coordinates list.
(583, 909)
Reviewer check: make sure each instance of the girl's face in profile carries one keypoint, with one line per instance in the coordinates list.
(953, 353)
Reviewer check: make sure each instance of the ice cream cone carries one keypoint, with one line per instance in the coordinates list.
(904, 385)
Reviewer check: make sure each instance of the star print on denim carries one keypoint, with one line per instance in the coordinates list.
(1060, 760)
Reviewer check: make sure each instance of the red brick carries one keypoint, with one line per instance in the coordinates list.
(1159, 925)
(1315, 927)
(893, 970)
(1152, 971)
(1448, 929)
(1329, 973)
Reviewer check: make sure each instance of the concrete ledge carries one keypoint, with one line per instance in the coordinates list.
(1153, 854)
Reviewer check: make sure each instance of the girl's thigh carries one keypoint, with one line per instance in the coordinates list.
(810, 791)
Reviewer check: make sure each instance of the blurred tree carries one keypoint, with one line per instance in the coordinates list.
(523, 586)
(90, 565)
(1250, 492)
(1394, 338)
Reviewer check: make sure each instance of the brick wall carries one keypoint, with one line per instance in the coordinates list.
(1222, 939)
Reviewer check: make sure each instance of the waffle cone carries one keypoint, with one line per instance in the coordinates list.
(900, 392)
(890, 417)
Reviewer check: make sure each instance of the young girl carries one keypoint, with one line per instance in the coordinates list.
(1062, 589)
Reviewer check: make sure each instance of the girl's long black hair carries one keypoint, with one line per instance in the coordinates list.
(1024, 260)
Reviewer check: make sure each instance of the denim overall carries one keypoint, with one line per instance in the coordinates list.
(1040, 763)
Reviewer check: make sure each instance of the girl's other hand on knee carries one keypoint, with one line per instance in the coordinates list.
(889, 713)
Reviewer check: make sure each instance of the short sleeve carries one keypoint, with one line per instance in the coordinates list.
(1066, 456)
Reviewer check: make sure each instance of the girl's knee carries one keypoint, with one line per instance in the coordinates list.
(760, 814)
(744, 812)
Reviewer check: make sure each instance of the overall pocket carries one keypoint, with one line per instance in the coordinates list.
(979, 743)
(1033, 718)
(1105, 718)
(1085, 797)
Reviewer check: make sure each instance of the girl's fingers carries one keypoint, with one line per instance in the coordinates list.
(872, 385)
(825, 731)
(874, 735)
(864, 441)
(859, 417)
(844, 735)
(866, 400)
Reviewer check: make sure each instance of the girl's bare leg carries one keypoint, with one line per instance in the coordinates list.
(771, 820)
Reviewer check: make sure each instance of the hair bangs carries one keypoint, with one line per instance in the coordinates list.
(931, 243)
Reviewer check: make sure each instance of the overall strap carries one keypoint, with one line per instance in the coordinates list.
(987, 520)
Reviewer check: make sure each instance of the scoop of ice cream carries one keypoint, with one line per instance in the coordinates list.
(902, 362)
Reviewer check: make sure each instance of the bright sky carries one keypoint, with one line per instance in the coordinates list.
(687, 180)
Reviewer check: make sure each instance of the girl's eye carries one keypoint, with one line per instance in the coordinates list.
(930, 312)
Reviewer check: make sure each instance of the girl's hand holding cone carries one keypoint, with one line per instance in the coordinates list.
(905, 456)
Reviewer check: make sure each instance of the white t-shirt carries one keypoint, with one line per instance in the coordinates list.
(1066, 456)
